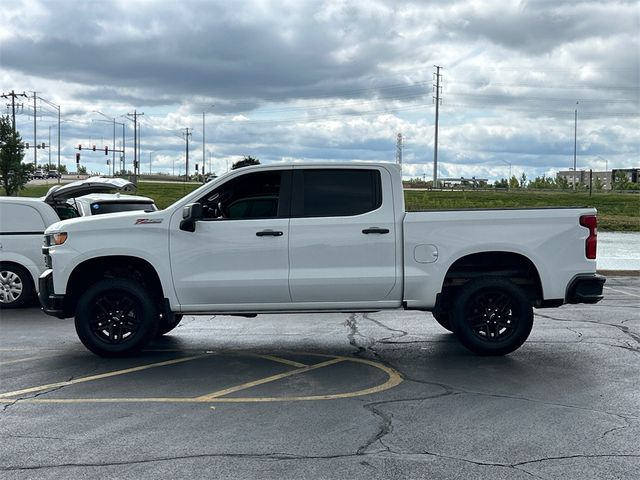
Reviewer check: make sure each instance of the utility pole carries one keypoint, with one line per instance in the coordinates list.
(35, 138)
(13, 96)
(57, 107)
(435, 141)
(575, 145)
(187, 134)
(135, 116)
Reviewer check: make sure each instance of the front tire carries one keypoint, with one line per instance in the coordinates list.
(492, 316)
(16, 286)
(116, 317)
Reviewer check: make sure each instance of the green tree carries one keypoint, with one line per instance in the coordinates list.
(82, 170)
(543, 183)
(513, 182)
(13, 172)
(562, 183)
(621, 181)
(245, 162)
(523, 180)
(502, 183)
(598, 185)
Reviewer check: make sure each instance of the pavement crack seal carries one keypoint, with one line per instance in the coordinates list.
(386, 422)
(352, 324)
(293, 457)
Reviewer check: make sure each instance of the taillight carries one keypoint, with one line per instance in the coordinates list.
(591, 244)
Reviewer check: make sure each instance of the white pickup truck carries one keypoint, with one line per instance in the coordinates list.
(316, 238)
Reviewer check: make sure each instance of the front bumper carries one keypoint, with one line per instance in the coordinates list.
(51, 303)
(586, 289)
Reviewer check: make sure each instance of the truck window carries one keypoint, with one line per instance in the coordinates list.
(336, 192)
(250, 196)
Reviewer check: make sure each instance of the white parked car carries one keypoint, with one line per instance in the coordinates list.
(23, 221)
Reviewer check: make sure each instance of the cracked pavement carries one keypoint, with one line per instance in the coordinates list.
(565, 405)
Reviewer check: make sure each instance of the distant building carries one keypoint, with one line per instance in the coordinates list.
(582, 176)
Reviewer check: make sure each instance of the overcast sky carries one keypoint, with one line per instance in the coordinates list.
(331, 80)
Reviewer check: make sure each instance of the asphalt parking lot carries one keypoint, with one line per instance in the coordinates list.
(383, 395)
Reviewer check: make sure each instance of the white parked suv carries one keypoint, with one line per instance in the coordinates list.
(23, 222)
(99, 203)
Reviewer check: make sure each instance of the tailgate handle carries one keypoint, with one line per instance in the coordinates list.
(367, 231)
(269, 233)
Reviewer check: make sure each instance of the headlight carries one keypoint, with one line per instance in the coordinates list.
(58, 238)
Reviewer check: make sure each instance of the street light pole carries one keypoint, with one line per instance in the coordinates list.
(575, 145)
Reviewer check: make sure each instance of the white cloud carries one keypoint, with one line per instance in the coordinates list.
(337, 80)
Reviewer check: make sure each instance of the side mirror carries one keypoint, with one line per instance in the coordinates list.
(190, 215)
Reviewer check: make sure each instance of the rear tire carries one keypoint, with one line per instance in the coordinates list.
(116, 317)
(491, 316)
(16, 286)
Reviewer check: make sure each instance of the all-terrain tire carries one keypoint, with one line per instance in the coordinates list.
(116, 317)
(491, 316)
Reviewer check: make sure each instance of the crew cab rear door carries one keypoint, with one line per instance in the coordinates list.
(342, 236)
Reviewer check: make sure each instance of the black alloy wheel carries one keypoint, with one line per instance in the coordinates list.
(492, 316)
(116, 317)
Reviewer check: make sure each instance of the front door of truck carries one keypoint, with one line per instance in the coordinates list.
(238, 254)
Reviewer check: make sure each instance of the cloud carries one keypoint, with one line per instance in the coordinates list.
(336, 80)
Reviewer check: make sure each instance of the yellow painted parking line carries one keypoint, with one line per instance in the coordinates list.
(18, 360)
(273, 378)
(623, 292)
(97, 377)
(286, 361)
(394, 379)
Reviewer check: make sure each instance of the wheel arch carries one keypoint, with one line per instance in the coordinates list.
(90, 271)
(515, 267)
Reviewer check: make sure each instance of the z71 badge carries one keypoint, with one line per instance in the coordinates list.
(144, 221)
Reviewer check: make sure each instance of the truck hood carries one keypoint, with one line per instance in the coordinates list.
(120, 220)
(61, 193)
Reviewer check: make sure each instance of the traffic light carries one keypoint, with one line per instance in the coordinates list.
(106, 150)
(79, 147)
(78, 157)
(44, 145)
(94, 148)
(26, 145)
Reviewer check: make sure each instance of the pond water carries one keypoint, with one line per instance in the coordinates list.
(619, 250)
